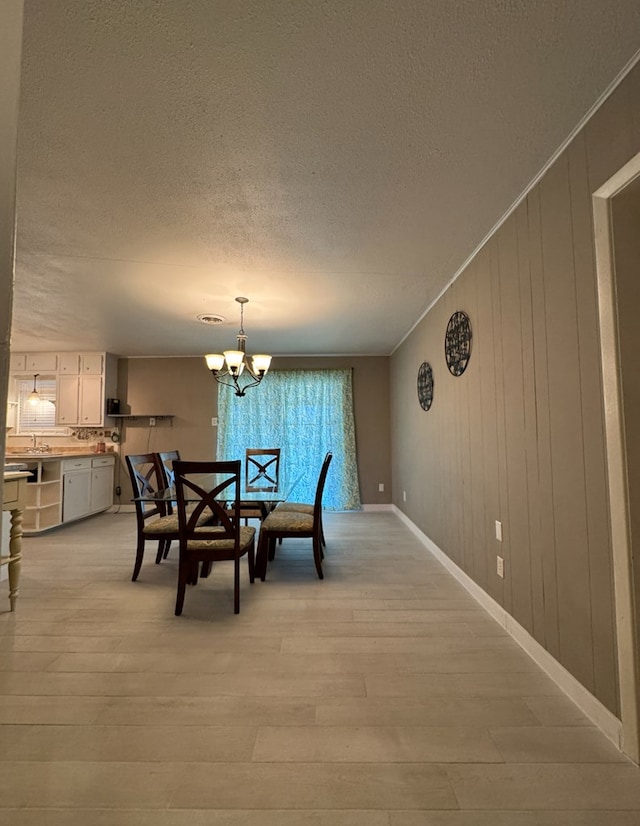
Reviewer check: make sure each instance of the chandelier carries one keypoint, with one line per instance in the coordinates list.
(227, 367)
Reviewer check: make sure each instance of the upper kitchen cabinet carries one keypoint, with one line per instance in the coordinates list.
(86, 364)
(80, 401)
(69, 364)
(34, 363)
(82, 393)
(83, 382)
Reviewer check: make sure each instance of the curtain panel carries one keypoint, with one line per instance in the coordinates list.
(305, 413)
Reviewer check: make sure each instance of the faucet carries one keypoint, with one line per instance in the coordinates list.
(34, 441)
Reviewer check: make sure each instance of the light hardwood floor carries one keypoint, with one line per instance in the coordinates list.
(381, 696)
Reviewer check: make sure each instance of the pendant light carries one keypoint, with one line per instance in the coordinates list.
(34, 397)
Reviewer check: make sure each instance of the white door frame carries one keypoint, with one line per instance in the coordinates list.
(625, 607)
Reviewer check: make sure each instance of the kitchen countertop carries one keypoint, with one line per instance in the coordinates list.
(31, 457)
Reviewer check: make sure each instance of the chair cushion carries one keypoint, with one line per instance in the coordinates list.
(288, 521)
(251, 513)
(247, 534)
(169, 524)
(295, 507)
(163, 524)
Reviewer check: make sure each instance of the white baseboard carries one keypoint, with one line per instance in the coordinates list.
(386, 507)
(600, 716)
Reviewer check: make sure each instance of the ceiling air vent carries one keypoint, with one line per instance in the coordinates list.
(211, 318)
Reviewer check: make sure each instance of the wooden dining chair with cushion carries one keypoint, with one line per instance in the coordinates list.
(261, 475)
(281, 524)
(214, 487)
(152, 518)
(303, 507)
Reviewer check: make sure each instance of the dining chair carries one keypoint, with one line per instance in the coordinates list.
(152, 518)
(304, 507)
(281, 524)
(224, 539)
(261, 475)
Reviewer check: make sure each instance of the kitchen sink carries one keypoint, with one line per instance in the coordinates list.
(12, 467)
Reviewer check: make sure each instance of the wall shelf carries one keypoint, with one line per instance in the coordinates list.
(141, 415)
(137, 419)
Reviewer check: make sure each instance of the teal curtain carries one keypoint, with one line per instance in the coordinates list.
(305, 413)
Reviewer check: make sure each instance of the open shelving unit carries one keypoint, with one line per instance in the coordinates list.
(44, 496)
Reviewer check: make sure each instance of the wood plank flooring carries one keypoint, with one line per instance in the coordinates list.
(381, 696)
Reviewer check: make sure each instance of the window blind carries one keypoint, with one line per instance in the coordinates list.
(40, 416)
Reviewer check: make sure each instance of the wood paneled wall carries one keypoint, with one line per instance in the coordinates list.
(519, 437)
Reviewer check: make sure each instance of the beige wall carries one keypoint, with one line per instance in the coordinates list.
(520, 436)
(184, 387)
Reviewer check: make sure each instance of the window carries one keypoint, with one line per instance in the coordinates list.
(40, 417)
(305, 413)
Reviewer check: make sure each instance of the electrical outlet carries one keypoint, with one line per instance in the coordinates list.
(404, 495)
(498, 531)
(118, 490)
(214, 421)
(381, 487)
(500, 566)
(152, 421)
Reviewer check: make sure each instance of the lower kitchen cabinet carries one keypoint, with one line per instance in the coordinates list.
(76, 494)
(101, 485)
(63, 490)
(87, 486)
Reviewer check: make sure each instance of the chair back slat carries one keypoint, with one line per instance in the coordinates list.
(146, 479)
(165, 464)
(262, 470)
(322, 478)
(166, 459)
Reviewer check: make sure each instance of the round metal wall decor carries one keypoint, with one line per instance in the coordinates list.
(425, 385)
(457, 343)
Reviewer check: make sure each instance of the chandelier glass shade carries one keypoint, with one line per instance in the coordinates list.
(227, 367)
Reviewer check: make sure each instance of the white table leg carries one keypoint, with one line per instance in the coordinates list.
(15, 555)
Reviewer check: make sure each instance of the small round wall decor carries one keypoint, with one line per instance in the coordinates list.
(425, 385)
(457, 343)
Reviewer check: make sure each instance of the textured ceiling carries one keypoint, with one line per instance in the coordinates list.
(335, 161)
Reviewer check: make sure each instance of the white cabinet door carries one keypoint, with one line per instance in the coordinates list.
(18, 363)
(91, 401)
(67, 400)
(91, 364)
(80, 401)
(76, 500)
(101, 488)
(42, 362)
(69, 363)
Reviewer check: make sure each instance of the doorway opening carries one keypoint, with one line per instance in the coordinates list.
(616, 210)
